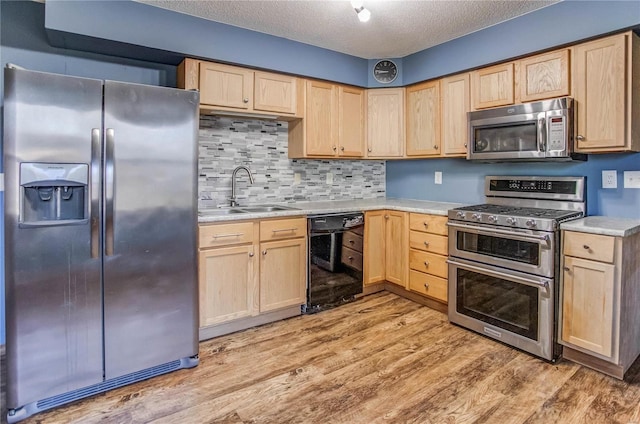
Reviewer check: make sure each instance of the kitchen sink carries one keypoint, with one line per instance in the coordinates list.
(245, 209)
(221, 211)
(267, 208)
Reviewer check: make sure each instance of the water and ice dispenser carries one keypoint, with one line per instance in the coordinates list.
(53, 193)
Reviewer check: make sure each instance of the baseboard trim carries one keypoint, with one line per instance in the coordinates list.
(592, 362)
(245, 323)
(433, 304)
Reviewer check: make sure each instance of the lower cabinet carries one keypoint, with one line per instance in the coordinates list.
(600, 291)
(385, 239)
(250, 268)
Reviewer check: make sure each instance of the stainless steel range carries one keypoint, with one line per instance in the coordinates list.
(504, 259)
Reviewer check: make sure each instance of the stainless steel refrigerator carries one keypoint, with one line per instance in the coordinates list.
(100, 244)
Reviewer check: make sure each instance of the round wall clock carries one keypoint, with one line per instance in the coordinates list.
(385, 71)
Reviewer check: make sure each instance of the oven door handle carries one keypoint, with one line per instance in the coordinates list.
(522, 237)
(543, 283)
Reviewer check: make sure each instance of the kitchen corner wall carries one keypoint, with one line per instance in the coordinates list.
(262, 146)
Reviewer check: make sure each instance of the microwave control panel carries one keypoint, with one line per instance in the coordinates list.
(556, 134)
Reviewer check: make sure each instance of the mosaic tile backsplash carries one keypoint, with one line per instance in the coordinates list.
(225, 143)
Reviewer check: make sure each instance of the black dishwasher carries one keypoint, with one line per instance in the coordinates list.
(335, 260)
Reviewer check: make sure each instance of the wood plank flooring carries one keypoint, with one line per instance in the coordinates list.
(380, 359)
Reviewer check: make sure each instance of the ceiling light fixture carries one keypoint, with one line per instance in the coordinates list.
(363, 14)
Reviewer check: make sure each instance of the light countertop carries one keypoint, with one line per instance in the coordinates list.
(339, 206)
(603, 225)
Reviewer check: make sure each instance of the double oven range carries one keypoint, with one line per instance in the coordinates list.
(504, 260)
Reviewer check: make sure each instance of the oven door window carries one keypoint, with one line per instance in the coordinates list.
(502, 303)
(515, 137)
(499, 247)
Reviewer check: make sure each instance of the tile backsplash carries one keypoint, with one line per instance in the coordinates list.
(225, 143)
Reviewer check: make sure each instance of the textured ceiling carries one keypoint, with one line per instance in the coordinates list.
(397, 28)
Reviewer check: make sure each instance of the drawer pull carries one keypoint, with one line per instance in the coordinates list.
(426, 224)
(351, 241)
(285, 229)
(426, 244)
(386, 217)
(350, 258)
(251, 255)
(426, 286)
(426, 264)
(216, 236)
(586, 247)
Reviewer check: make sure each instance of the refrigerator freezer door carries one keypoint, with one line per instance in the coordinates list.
(54, 303)
(150, 208)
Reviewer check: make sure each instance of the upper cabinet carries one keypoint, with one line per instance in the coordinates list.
(226, 88)
(543, 76)
(606, 88)
(385, 123)
(455, 101)
(493, 86)
(333, 124)
(423, 119)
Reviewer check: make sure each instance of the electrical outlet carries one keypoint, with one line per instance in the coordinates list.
(437, 179)
(631, 179)
(609, 179)
(296, 178)
(329, 178)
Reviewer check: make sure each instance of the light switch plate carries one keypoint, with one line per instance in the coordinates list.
(631, 179)
(609, 179)
(329, 178)
(296, 178)
(437, 179)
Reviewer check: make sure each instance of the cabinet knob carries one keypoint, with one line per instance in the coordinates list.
(426, 286)
(350, 258)
(351, 241)
(386, 217)
(335, 148)
(435, 146)
(586, 247)
(369, 150)
(426, 224)
(264, 252)
(426, 264)
(426, 244)
(246, 100)
(342, 148)
(566, 268)
(580, 138)
(465, 144)
(251, 255)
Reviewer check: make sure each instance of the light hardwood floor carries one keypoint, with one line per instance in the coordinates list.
(381, 359)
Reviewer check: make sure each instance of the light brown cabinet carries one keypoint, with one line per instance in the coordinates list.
(543, 76)
(600, 291)
(333, 124)
(456, 102)
(385, 247)
(385, 123)
(233, 89)
(606, 88)
(423, 119)
(493, 86)
(235, 284)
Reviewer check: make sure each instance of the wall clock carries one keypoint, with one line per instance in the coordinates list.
(385, 71)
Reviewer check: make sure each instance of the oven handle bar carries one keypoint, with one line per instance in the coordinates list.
(511, 234)
(497, 274)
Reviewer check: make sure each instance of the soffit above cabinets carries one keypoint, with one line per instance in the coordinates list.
(396, 28)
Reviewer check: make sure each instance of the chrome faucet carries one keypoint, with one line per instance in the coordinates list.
(233, 182)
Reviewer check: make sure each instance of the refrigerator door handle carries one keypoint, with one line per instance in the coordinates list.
(109, 178)
(95, 192)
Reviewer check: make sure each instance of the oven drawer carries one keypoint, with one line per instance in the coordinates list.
(428, 223)
(352, 241)
(589, 246)
(225, 234)
(283, 228)
(351, 258)
(428, 242)
(429, 263)
(428, 285)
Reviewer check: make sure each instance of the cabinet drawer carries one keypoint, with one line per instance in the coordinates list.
(358, 230)
(428, 242)
(351, 258)
(283, 228)
(429, 263)
(352, 241)
(225, 234)
(589, 246)
(428, 223)
(428, 285)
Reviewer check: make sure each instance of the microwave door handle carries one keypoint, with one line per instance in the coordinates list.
(490, 231)
(542, 133)
(544, 283)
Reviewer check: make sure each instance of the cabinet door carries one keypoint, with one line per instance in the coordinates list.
(227, 86)
(321, 119)
(274, 93)
(544, 76)
(228, 284)
(599, 91)
(423, 119)
(396, 246)
(283, 274)
(385, 122)
(374, 247)
(587, 305)
(493, 86)
(351, 122)
(455, 105)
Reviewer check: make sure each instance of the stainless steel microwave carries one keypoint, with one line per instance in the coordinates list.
(536, 131)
